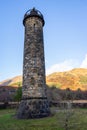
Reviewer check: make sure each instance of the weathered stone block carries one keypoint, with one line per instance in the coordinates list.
(33, 108)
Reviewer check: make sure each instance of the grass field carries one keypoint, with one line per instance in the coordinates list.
(78, 121)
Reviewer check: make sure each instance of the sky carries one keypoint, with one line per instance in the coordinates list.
(65, 35)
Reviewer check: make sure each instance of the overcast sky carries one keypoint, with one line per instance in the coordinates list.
(65, 34)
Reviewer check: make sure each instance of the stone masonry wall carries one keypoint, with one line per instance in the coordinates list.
(34, 66)
(34, 103)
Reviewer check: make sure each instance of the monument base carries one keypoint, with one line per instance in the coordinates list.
(33, 108)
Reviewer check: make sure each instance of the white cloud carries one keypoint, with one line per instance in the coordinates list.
(60, 67)
(84, 62)
(67, 65)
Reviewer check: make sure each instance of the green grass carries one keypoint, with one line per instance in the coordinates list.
(83, 79)
(8, 122)
(57, 85)
(16, 84)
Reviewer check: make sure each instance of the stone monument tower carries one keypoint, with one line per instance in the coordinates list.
(34, 103)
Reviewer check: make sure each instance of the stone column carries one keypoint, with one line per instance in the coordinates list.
(34, 103)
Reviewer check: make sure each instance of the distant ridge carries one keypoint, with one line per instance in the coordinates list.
(15, 81)
(73, 79)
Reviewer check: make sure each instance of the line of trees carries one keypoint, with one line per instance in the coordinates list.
(67, 94)
(53, 94)
(56, 94)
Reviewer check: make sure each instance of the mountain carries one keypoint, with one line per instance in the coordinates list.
(73, 79)
(16, 81)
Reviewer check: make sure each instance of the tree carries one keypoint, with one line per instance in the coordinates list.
(18, 94)
(67, 116)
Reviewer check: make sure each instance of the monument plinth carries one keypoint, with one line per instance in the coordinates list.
(34, 103)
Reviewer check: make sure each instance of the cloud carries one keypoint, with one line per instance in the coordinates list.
(67, 65)
(84, 62)
(60, 67)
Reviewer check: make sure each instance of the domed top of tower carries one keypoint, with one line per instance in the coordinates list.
(33, 13)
